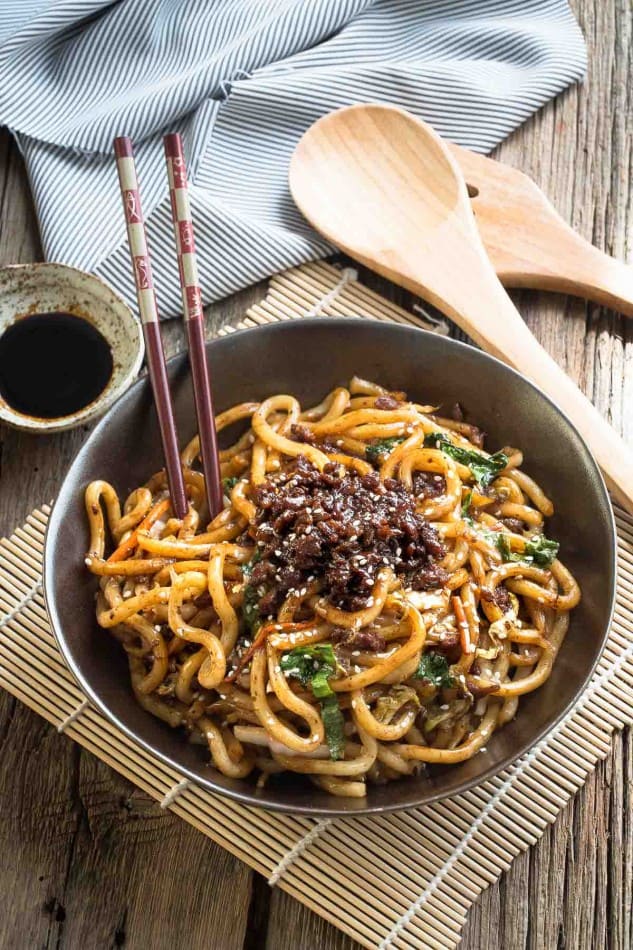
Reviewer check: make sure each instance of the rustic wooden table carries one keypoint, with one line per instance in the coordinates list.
(87, 860)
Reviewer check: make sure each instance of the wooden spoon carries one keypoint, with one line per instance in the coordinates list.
(381, 185)
(528, 242)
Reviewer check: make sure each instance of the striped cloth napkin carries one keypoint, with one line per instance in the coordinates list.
(241, 80)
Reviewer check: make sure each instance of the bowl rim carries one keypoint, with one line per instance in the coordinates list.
(106, 399)
(250, 798)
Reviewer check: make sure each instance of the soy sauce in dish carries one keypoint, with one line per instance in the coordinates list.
(53, 364)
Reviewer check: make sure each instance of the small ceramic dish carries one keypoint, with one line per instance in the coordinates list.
(27, 289)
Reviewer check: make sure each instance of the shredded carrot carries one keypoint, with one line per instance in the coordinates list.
(126, 547)
(462, 623)
(259, 641)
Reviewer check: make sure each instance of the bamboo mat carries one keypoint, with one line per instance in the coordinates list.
(418, 872)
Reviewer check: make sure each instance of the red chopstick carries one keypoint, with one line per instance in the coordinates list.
(194, 319)
(148, 310)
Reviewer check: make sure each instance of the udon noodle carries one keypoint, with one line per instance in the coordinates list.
(375, 597)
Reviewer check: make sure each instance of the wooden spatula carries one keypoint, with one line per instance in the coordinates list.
(528, 242)
(382, 186)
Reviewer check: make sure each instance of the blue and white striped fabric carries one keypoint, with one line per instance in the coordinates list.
(242, 79)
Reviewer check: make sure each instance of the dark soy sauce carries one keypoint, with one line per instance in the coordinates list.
(53, 364)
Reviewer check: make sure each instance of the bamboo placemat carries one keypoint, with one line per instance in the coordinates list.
(418, 872)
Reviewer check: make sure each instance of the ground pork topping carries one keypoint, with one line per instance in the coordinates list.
(339, 527)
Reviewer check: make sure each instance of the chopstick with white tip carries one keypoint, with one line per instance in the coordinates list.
(194, 319)
(148, 311)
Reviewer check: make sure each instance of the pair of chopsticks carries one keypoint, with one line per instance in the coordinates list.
(193, 314)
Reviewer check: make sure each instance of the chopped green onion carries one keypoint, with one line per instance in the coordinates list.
(313, 666)
(538, 550)
(378, 449)
(484, 468)
(433, 667)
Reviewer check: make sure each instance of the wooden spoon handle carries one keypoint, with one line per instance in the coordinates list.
(511, 341)
(577, 268)
(530, 244)
(613, 456)
(486, 313)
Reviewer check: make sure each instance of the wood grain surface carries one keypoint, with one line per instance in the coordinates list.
(87, 861)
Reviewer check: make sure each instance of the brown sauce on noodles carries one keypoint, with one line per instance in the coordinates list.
(343, 527)
(375, 598)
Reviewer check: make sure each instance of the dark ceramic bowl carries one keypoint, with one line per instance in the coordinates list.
(308, 358)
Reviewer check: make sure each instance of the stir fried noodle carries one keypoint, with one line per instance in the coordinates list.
(377, 593)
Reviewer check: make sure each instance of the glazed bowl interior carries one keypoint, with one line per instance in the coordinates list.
(308, 358)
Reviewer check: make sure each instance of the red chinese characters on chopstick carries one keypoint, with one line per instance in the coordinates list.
(194, 320)
(148, 310)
